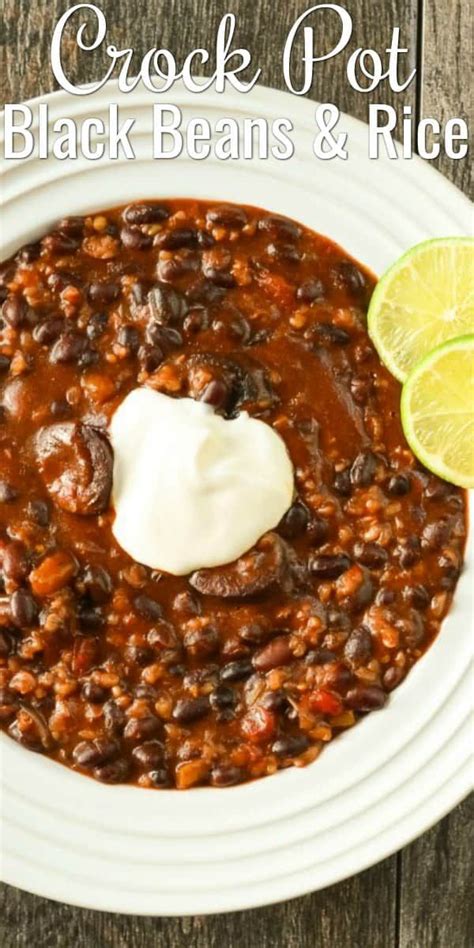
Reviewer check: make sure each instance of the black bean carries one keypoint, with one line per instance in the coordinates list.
(96, 582)
(318, 530)
(28, 253)
(88, 358)
(363, 469)
(23, 609)
(7, 644)
(60, 243)
(279, 227)
(352, 278)
(226, 775)
(275, 701)
(174, 239)
(47, 332)
(140, 729)
(295, 521)
(253, 633)
(145, 213)
(412, 628)
(220, 278)
(342, 482)
(70, 347)
(290, 745)
(90, 754)
(358, 648)
(216, 393)
(320, 656)
(15, 561)
(97, 325)
(129, 337)
(202, 641)
(329, 566)
(163, 637)
(236, 671)
(149, 754)
(89, 617)
(166, 305)
(435, 535)
(285, 253)
(335, 335)
(93, 693)
(15, 311)
(150, 357)
(273, 655)
(437, 489)
(114, 718)
(392, 677)
(5, 363)
(227, 215)
(28, 738)
(171, 268)
(148, 608)
(370, 554)
(139, 654)
(399, 485)
(160, 778)
(72, 226)
(187, 710)
(417, 596)
(309, 291)
(186, 602)
(222, 698)
(385, 597)
(134, 239)
(115, 771)
(339, 676)
(196, 321)
(408, 552)
(60, 279)
(103, 292)
(366, 698)
(203, 291)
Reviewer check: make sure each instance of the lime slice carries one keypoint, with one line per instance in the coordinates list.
(437, 410)
(424, 299)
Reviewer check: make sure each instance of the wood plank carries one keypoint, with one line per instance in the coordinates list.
(188, 23)
(436, 871)
(447, 67)
(436, 885)
(347, 915)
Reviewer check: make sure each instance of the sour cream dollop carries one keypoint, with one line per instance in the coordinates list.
(192, 489)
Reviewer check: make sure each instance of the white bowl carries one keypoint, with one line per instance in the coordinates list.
(376, 787)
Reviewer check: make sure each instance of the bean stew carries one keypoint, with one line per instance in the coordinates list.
(226, 675)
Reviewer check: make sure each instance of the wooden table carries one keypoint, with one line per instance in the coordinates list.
(418, 898)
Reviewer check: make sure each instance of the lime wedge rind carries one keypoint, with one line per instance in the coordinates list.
(425, 298)
(438, 416)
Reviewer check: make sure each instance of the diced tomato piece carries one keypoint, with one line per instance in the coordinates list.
(258, 725)
(325, 702)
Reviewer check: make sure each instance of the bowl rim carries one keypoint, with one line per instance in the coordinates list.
(290, 805)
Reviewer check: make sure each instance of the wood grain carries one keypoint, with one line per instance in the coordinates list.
(446, 71)
(418, 898)
(341, 917)
(437, 885)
